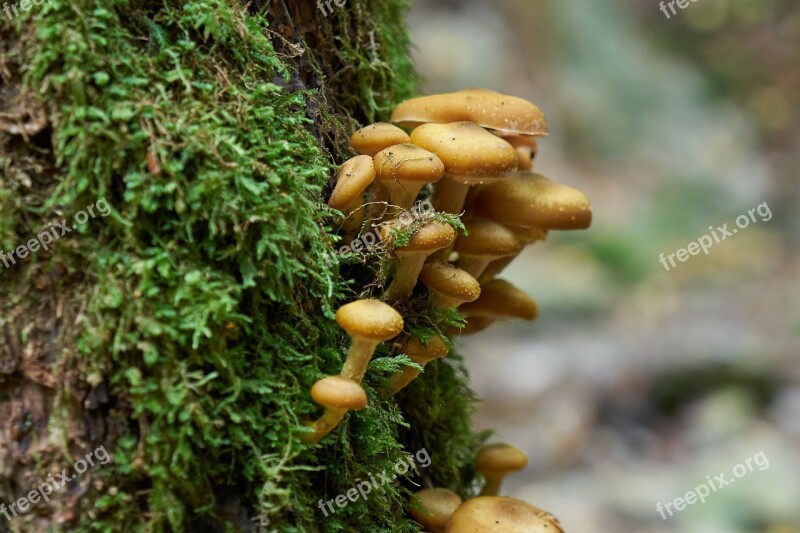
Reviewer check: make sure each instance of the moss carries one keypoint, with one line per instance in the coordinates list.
(207, 311)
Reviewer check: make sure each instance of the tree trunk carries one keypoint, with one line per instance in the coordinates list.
(177, 158)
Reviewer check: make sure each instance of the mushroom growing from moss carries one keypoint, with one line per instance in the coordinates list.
(368, 322)
(500, 300)
(501, 515)
(495, 462)
(338, 395)
(371, 139)
(432, 508)
(430, 237)
(404, 169)
(471, 156)
(484, 242)
(524, 236)
(420, 354)
(352, 180)
(449, 286)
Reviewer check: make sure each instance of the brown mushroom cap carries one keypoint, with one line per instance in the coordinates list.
(407, 163)
(500, 458)
(499, 299)
(433, 507)
(370, 319)
(488, 239)
(352, 179)
(450, 282)
(517, 141)
(486, 108)
(469, 153)
(501, 515)
(371, 139)
(430, 237)
(531, 200)
(340, 393)
(421, 353)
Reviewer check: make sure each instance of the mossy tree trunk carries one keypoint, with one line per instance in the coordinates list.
(182, 331)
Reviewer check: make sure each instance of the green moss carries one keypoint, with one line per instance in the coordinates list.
(209, 312)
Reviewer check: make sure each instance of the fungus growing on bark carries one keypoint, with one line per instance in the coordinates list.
(495, 462)
(368, 322)
(501, 300)
(501, 515)
(371, 139)
(484, 242)
(420, 354)
(488, 109)
(352, 180)
(430, 237)
(449, 286)
(338, 395)
(404, 169)
(471, 156)
(432, 508)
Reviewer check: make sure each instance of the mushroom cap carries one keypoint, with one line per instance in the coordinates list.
(501, 515)
(370, 319)
(517, 141)
(446, 280)
(529, 235)
(499, 299)
(531, 200)
(486, 238)
(371, 139)
(408, 162)
(433, 507)
(417, 351)
(467, 150)
(352, 179)
(500, 458)
(486, 108)
(431, 236)
(339, 392)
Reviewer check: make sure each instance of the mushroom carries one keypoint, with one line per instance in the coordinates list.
(485, 241)
(368, 322)
(500, 300)
(430, 237)
(495, 462)
(474, 324)
(338, 395)
(526, 146)
(449, 286)
(489, 109)
(432, 508)
(372, 139)
(501, 515)
(352, 180)
(530, 200)
(471, 156)
(404, 169)
(420, 354)
(524, 236)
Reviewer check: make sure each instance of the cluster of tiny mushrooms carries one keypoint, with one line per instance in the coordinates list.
(472, 153)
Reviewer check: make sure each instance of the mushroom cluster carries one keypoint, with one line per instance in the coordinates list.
(471, 155)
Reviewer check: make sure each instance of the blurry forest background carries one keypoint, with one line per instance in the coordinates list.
(636, 383)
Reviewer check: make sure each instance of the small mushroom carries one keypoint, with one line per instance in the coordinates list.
(526, 146)
(525, 236)
(471, 156)
(475, 324)
(500, 300)
(404, 169)
(484, 242)
(488, 109)
(449, 286)
(432, 508)
(352, 180)
(368, 322)
(495, 462)
(501, 515)
(530, 200)
(430, 237)
(420, 354)
(338, 395)
(371, 139)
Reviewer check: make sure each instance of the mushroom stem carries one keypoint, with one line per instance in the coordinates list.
(450, 195)
(493, 483)
(358, 357)
(420, 354)
(474, 266)
(408, 269)
(324, 424)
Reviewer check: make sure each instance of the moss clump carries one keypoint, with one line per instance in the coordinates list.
(206, 310)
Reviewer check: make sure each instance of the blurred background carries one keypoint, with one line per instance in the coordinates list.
(635, 383)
